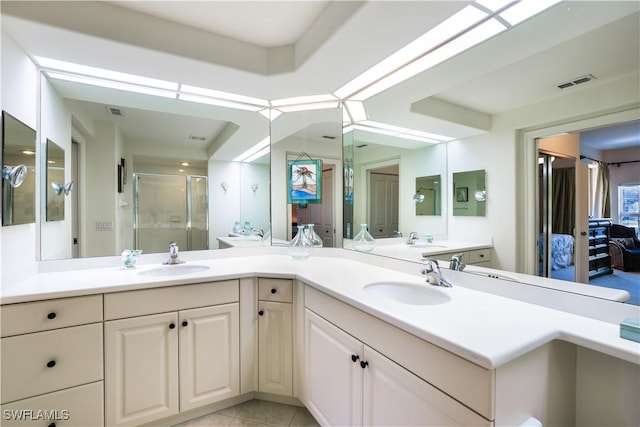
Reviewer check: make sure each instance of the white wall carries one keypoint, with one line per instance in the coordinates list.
(627, 173)
(239, 202)
(500, 154)
(55, 124)
(19, 97)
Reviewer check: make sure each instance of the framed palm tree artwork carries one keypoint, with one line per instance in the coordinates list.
(305, 181)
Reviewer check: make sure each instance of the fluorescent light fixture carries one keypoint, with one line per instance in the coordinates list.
(312, 99)
(270, 113)
(471, 38)
(309, 107)
(218, 102)
(253, 150)
(55, 64)
(223, 95)
(356, 110)
(494, 4)
(111, 84)
(444, 31)
(400, 132)
(526, 9)
(259, 154)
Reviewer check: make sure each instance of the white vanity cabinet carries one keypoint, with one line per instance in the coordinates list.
(275, 336)
(479, 257)
(51, 362)
(349, 383)
(183, 357)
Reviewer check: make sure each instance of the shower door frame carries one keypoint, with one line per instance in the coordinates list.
(188, 194)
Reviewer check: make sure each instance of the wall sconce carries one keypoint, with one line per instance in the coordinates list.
(60, 188)
(14, 174)
(254, 188)
(225, 186)
(481, 195)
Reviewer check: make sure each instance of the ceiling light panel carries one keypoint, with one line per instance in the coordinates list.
(219, 102)
(312, 99)
(223, 95)
(54, 64)
(111, 84)
(526, 9)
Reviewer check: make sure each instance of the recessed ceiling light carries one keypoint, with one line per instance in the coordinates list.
(185, 164)
(28, 152)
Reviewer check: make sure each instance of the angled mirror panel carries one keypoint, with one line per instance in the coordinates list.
(55, 188)
(18, 171)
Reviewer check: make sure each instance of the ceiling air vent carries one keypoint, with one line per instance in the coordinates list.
(197, 138)
(328, 137)
(576, 81)
(115, 111)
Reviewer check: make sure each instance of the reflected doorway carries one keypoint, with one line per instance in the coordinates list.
(170, 208)
(557, 214)
(383, 201)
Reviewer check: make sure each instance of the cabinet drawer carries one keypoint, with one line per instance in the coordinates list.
(47, 361)
(277, 290)
(80, 406)
(172, 298)
(16, 319)
(479, 255)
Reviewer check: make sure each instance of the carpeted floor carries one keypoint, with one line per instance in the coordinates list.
(626, 280)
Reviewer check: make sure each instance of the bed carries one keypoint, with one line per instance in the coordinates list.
(562, 247)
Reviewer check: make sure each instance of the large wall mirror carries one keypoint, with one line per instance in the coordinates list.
(383, 172)
(120, 134)
(56, 189)
(18, 171)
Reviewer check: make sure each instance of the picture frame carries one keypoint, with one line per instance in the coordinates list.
(462, 194)
(304, 181)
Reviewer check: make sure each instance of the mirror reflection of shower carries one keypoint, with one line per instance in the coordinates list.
(170, 208)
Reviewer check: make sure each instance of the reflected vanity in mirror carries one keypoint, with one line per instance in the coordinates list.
(469, 193)
(56, 188)
(18, 171)
(428, 196)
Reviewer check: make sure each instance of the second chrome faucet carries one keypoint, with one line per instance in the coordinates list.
(173, 255)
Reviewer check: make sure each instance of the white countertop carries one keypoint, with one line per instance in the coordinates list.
(487, 329)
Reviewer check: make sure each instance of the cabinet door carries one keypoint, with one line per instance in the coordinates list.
(209, 355)
(275, 348)
(394, 396)
(141, 375)
(333, 373)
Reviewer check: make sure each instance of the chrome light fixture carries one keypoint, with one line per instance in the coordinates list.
(62, 188)
(481, 195)
(15, 175)
(418, 198)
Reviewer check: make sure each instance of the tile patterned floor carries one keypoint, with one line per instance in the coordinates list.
(256, 413)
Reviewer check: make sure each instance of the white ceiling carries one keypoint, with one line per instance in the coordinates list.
(274, 50)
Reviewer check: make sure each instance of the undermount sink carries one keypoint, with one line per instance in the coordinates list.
(174, 270)
(407, 293)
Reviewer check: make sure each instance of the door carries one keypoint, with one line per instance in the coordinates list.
(170, 208)
(558, 243)
(322, 215)
(383, 204)
(209, 355)
(275, 348)
(141, 372)
(333, 375)
(394, 396)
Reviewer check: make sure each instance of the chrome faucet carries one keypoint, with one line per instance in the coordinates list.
(456, 263)
(413, 236)
(433, 273)
(173, 255)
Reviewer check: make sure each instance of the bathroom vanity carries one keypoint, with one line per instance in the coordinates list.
(114, 346)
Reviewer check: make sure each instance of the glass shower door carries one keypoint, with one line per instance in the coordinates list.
(170, 208)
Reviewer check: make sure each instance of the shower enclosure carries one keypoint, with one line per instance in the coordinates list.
(170, 208)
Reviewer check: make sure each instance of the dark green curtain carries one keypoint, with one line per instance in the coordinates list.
(602, 199)
(564, 201)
